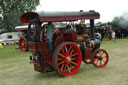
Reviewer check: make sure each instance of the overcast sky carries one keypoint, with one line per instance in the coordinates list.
(107, 8)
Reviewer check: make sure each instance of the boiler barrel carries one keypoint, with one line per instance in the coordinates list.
(96, 44)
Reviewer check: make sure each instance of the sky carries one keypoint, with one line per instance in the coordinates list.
(108, 9)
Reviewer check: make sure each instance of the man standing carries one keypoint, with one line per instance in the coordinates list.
(49, 35)
(113, 36)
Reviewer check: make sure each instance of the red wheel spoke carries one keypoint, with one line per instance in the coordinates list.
(68, 69)
(61, 62)
(70, 65)
(101, 53)
(65, 67)
(74, 54)
(71, 51)
(100, 62)
(74, 58)
(62, 67)
(73, 63)
(66, 49)
(70, 48)
(59, 59)
(61, 55)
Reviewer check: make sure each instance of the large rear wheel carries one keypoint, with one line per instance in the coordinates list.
(66, 59)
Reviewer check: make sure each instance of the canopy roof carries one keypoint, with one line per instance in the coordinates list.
(58, 16)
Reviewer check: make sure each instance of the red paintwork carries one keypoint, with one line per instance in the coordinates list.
(37, 65)
(85, 36)
(87, 53)
(36, 48)
(71, 36)
(59, 40)
(67, 18)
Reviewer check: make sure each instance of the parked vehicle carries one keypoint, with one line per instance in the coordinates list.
(70, 48)
(23, 41)
(9, 38)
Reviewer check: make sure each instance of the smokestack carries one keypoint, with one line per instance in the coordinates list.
(92, 29)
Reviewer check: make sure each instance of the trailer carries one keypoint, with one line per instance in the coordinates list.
(9, 38)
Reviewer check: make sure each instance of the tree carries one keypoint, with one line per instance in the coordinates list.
(12, 10)
(120, 22)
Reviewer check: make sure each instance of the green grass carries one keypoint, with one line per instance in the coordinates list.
(16, 70)
(10, 51)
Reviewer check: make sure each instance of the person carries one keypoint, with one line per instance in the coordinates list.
(68, 28)
(98, 36)
(113, 36)
(50, 28)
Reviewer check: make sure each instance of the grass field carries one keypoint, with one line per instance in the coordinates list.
(16, 70)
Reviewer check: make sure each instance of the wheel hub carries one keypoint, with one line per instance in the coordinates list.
(68, 59)
(100, 58)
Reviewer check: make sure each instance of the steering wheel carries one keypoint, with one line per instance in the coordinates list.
(34, 30)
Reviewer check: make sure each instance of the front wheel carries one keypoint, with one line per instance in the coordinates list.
(66, 59)
(100, 58)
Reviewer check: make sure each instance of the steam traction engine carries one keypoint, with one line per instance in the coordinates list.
(69, 48)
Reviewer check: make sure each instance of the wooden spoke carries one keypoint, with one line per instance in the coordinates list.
(101, 53)
(61, 62)
(65, 67)
(74, 58)
(59, 59)
(74, 54)
(70, 48)
(66, 49)
(61, 55)
(71, 51)
(62, 67)
(100, 62)
(68, 69)
(73, 63)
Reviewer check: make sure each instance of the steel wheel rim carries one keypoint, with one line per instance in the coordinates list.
(68, 59)
(22, 44)
(100, 58)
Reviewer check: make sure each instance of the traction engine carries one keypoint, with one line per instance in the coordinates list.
(69, 48)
